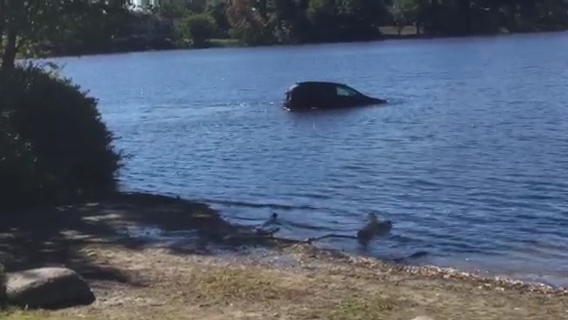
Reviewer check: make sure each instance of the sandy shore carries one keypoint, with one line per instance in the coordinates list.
(141, 280)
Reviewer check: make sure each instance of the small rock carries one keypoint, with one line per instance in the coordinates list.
(48, 288)
(423, 318)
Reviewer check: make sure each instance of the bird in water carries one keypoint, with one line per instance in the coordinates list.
(373, 228)
(272, 220)
(261, 230)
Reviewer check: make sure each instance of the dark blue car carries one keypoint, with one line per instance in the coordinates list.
(325, 95)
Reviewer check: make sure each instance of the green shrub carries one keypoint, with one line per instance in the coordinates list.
(53, 145)
(199, 28)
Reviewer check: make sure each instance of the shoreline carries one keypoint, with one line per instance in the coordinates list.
(458, 272)
(217, 230)
(235, 44)
(217, 270)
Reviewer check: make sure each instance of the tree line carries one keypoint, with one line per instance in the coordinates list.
(258, 22)
(60, 27)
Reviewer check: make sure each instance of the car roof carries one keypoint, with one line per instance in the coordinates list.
(319, 83)
(315, 84)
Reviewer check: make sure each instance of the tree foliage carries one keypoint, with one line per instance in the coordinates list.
(54, 146)
(62, 26)
(85, 26)
(341, 20)
(199, 27)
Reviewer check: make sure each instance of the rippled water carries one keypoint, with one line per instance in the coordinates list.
(469, 159)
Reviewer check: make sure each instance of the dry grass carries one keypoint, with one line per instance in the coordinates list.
(206, 287)
(231, 284)
(33, 315)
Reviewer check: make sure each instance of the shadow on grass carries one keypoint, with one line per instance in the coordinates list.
(56, 236)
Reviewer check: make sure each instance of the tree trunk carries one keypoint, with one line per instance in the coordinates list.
(9, 56)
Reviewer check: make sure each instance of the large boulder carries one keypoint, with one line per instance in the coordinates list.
(48, 288)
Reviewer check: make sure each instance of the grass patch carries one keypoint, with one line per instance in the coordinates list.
(392, 31)
(34, 315)
(225, 286)
(24, 317)
(222, 43)
(368, 307)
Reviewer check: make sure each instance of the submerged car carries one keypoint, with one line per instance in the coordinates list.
(325, 95)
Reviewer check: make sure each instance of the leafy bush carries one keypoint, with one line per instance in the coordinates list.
(53, 145)
(199, 27)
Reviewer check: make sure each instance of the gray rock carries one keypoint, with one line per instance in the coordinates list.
(48, 288)
(423, 318)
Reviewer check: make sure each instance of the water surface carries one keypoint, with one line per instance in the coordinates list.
(468, 159)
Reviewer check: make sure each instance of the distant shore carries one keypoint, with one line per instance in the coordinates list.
(137, 278)
(388, 33)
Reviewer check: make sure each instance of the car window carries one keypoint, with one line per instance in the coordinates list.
(346, 92)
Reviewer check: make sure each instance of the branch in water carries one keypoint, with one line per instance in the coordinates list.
(269, 235)
(330, 235)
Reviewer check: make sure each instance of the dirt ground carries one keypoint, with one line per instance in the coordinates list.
(134, 280)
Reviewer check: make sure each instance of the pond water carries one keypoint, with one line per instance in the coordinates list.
(468, 159)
